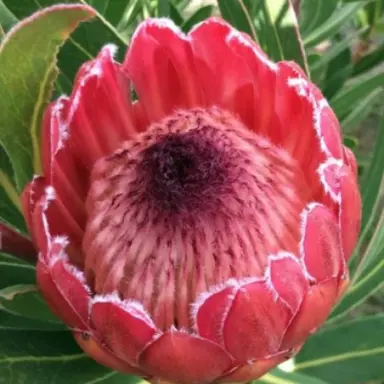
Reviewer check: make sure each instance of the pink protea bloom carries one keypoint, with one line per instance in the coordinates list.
(200, 233)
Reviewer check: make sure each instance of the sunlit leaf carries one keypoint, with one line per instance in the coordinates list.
(28, 58)
(84, 43)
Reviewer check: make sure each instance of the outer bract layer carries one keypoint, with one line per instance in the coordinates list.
(200, 233)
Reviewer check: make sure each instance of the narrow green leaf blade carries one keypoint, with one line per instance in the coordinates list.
(7, 18)
(112, 10)
(314, 13)
(175, 15)
(201, 14)
(237, 14)
(369, 61)
(374, 177)
(361, 110)
(334, 51)
(364, 287)
(272, 23)
(346, 100)
(278, 32)
(337, 73)
(332, 25)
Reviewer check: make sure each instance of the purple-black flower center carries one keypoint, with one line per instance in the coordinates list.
(184, 170)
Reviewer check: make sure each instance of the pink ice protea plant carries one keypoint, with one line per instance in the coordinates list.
(200, 233)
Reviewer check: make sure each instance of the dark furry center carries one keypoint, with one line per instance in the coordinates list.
(185, 171)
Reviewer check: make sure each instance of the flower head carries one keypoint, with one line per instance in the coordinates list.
(200, 233)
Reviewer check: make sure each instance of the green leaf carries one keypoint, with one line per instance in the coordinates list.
(130, 18)
(361, 111)
(350, 353)
(163, 8)
(237, 14)
(332, 25)
(50, 357)
(14, 271)
(10, 205)
(27, 57)
(11, 322)
(337, 73)
(335, 51)
(201, 14)
(111, 10)
(25, 300)
(7, 18)
(369, 61)
(356, 263)
(374, 177)
(277, 376)
(361, 1)
(355, 93)
(175, 15)
(367, 285)
(350, 141)
(278, 32)
(85, 43)
(315, 13)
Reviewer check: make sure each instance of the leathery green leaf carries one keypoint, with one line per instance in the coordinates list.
(28, 58)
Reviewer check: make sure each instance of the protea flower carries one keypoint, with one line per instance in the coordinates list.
(200, 233)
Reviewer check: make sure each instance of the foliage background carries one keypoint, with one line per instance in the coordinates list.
(340, 43)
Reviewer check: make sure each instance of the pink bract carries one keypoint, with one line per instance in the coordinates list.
(200, 233)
